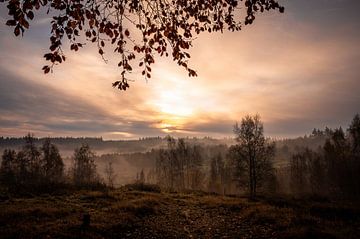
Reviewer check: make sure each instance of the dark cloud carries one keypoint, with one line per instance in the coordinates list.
(216, 126)
(23, 102)
(23, 97)
(144, 128)
(325, 13)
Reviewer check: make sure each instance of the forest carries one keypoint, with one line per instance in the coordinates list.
(325, 164)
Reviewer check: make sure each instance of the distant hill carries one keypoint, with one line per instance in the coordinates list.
(67, 145)
(285, 147)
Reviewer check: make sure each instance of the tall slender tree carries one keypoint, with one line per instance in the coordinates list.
(255, 151)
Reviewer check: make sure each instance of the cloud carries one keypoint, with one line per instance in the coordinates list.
(25, 105)
(298, 70)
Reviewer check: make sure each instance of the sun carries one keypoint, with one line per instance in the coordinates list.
(174, 109)
(167, 127)
(174, 103)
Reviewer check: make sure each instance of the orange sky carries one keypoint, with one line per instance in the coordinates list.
(298, 70)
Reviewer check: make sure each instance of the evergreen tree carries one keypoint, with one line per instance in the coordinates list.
(354, 132)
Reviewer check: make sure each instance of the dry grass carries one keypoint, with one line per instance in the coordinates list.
(128, 213)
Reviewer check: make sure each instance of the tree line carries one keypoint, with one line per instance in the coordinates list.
(333, 170)
(42, 168)
(179, 166)
(245, 166)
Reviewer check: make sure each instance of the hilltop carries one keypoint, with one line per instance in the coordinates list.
(129, 212)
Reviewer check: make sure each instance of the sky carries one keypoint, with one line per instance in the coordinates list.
(298, 70)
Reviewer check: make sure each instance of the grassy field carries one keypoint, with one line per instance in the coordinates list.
(129, 213)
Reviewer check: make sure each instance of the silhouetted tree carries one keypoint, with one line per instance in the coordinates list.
(8, 167)
(135, 27)
(343, 163)
(308, 173)
(217, 174)
(169, 167)
(30, 168)
(255, 151)
(239, 166)
(84, 171)
(194, 168)
(52, 164)
(298, 177)
(110, 174)
(22, 169)
(317, 133)
(161, 169)
(179, 166)
(354, 138)
(354, 133)
(336, 150)
(31, 160)
(334, 170)
(317, 174)
(151, 176)
(142, 176)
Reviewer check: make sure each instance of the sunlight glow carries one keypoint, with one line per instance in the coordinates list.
(169, 126)
(122, 134)
(174, 103)
(290, 84)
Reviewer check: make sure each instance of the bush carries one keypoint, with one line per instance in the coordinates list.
(145, 187)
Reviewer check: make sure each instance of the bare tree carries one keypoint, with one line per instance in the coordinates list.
(179, 166)
(299, 175)
(255, 152)
(217, 174)
(110, 174)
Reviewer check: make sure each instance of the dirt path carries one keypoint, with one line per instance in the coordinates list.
(191, 217)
